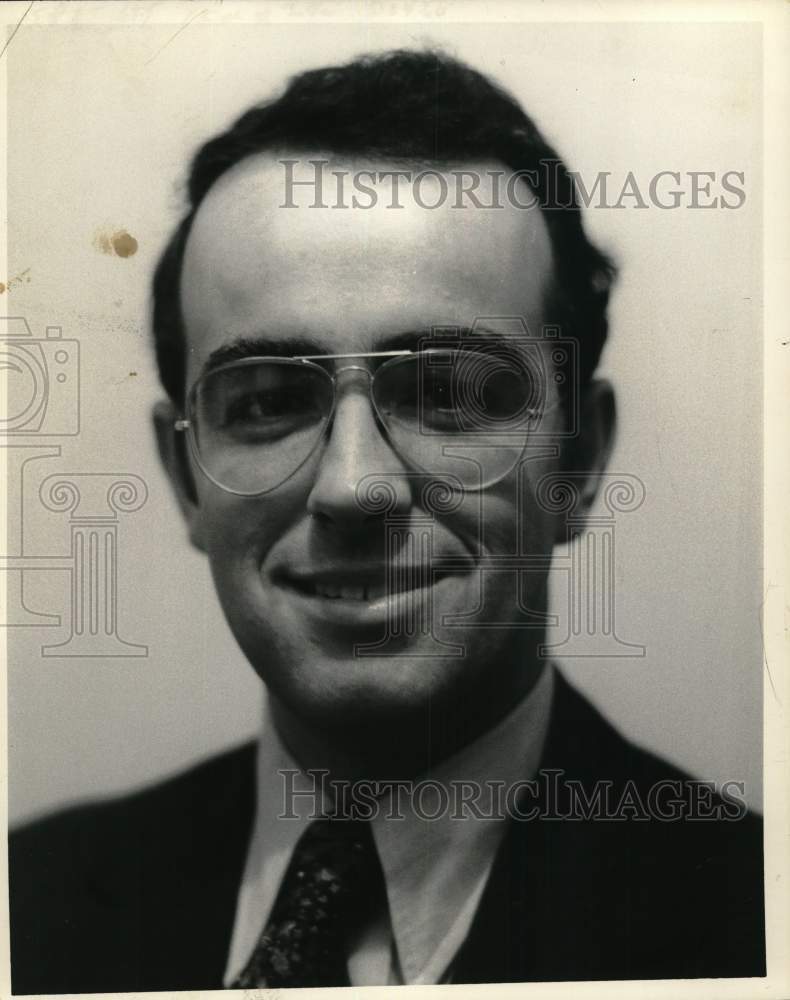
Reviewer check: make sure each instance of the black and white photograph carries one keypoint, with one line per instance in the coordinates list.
(394, 452)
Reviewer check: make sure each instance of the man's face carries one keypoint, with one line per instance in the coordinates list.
(348, 281)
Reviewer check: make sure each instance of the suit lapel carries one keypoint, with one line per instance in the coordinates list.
(539, 917)
(188, 897)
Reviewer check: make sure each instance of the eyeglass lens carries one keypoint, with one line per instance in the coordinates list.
(462, 414)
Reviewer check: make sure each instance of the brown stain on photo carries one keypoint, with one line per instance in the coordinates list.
(22, 278)
(117, 243)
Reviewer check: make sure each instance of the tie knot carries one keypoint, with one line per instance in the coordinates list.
(337, 855)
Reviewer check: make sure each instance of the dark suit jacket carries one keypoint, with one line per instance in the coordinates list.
(139, 893)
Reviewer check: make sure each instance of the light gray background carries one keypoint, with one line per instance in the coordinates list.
(102, 122)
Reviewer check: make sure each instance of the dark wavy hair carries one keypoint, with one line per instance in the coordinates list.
(419, 106)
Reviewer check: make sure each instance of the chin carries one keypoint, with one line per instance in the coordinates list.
(365, 691)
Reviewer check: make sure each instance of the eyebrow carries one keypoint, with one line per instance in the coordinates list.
(257, 347)
(444, 335)
(296, 347)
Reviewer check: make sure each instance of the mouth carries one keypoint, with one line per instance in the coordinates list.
(363, 599)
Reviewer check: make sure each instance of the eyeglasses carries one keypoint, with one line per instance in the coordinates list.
(464, 415)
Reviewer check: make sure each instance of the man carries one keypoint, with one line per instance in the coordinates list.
(364, 417)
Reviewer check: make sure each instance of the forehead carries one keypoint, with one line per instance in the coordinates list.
(262, 261)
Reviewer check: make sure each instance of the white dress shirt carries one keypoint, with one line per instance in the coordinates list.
(435, 870)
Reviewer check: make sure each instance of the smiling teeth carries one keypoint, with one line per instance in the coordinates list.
(347, 593)
(353, 593)
(361, 592)
(368, 592)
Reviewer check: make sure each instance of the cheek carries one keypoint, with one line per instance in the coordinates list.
(507, 519)
(239, 531)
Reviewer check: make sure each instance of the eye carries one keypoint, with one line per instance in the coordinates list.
(258, 407)
(262, 416)
(438, 391)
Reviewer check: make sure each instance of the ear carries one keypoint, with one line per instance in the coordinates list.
(586, 455)
(174, 454)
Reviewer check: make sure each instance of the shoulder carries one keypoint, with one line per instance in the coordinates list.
(191, 798)
(671, 866)
(587, 749)
(87, 877)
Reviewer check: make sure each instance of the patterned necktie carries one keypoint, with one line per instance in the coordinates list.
(330, 885)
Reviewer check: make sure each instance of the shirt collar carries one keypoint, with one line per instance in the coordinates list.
(435, 869)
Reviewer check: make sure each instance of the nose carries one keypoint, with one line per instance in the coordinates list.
(355, 450)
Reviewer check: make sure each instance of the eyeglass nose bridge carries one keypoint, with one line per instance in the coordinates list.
(335, 377)
(352, 368)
